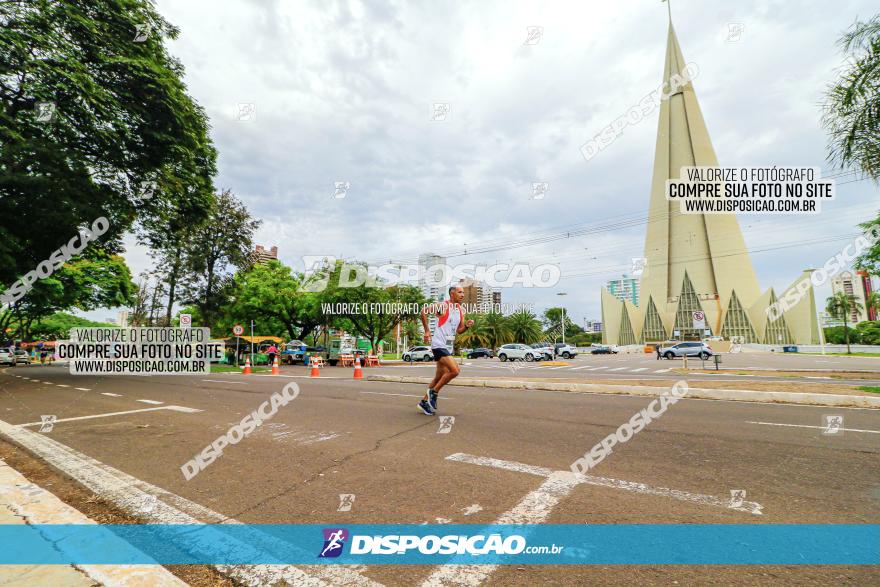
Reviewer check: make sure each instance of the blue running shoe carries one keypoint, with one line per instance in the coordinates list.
(433, 400)
(426, 408)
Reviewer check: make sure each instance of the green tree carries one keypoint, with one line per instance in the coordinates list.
(225, 239)
(841, 306)
(868, 332)
(88, 118)
(94, 280)
(272, 292)
(478, 335)
(851, 110)
(58, 326)
(497, 329)
(524, 327)
(872, 303)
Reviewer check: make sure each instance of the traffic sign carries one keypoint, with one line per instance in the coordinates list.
(699, 319)
(238, 330)
(186, 320)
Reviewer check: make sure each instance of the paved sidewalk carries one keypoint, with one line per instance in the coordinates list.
(22, 502)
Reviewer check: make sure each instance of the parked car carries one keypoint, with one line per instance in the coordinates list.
(7, 357)
(481, 353)
(22, 356)
(604, 350)
(418, 353)
(514, 351)
(691, 349)
(545, 348)
(566, 351)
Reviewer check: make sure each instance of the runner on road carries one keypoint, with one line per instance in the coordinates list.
(450, 321)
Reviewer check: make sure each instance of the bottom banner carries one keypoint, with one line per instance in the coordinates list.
(640, 544)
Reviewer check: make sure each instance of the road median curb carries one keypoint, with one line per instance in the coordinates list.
(773, 397)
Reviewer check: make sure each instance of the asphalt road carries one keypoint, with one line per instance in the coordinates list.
(367, 438)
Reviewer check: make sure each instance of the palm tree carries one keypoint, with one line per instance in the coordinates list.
(497, 330)
(524, 326)
(841, 306)
(851, 115)
(476, 336)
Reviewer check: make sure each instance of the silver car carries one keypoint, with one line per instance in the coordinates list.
(7, 357)
(523, 352)
(691, 349)
(23, 357)
(419, 353)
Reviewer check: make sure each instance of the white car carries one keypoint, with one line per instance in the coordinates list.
(514, 351)
(418, 353)
(7, 357)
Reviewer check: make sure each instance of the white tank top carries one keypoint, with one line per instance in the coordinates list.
(450, 317)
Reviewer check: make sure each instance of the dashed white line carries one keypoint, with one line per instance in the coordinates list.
(642, 369)
(150, 401)
(819, 427)
(579, 368)
(226, 381)
(401, 394)
(61, 385)
(83, 388)
(110, 394)
(108, 415)
(618, 369)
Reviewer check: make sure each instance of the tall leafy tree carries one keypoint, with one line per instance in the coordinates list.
(841, 306)
(272, 291)
(224, 240)
(497, 329)
(93, 112)
(852, 109)
(93, 280)
(524, 326)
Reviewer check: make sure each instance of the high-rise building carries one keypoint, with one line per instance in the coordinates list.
(698, 278)
(431, 281)
(624, 289)
(857, 287)
(477, 294)
(261, 255)
(496, 297)
(431, 276)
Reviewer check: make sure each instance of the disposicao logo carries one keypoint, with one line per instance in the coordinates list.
(334, 542)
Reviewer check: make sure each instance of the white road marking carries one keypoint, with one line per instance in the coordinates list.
(819, 427)
(110, 394)
(172, 408)
(748, 506)
(226, 381)
(537, 506)
(618, 369)
(579, 368)
(598, 368)
(808, 377)
(62, 385)
(83, 388)
(36, 505)
(402, 394)
(152, 504)
(637, 370)
(150, 401)
(662, 370)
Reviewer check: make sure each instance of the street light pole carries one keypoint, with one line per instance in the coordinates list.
(562, 293)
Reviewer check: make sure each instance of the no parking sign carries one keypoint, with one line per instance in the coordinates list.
(699, 319)
(186, 320)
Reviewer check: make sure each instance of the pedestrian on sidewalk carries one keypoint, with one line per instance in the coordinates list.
(272, 351)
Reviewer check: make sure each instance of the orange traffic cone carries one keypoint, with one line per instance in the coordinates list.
(247, 366)
(358, 374)
(316, 372)
(275, 370)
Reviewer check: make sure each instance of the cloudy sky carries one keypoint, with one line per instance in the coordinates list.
(344, 91)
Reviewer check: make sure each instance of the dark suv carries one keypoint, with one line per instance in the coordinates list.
(480, 353)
